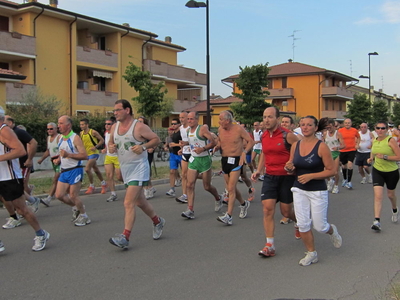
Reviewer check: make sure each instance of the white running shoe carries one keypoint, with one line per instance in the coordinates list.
(370, 178)
(310, 258)
(336, 239)
(35, 205)
(335, 189)
(226, 219)
(189, 214)
(170, 193)
(364, 180)
(182, 199)
(218, 204)
(112, 198)
(2, 248)
(243, 209)
(330, 184)
(11, 223)
(344, 182)
(395, 216)
(40, 241)
(46, 201)
(82, 221)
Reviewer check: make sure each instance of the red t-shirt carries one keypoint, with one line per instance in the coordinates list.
(349, 138)
(275, 153)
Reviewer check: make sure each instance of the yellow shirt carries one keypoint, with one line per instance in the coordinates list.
(89, 141)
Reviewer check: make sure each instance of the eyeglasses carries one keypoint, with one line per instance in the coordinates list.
(380, 128)
(174, 123)
(50, 128)
(108, 123)
(118, 109)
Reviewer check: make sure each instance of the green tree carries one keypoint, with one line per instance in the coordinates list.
(151, 101)
(251, 82)
(396, 114)
(359, 110)
(380, 111)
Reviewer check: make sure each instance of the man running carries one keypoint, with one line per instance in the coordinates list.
(130, 139)
(185, 155)
(276, 143)
(199, 163)
(174, 157)
(257, 133)
(231, 140)
(364, 152)
(72, 152)
(92, 141)
(52, 151)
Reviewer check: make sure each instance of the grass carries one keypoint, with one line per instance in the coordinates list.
(42, 185)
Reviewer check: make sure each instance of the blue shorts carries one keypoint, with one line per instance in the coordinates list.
(248, 157)
(93, 156)
(174, 161)
(72, 176)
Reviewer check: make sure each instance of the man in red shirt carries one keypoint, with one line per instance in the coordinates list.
(276, 142)
(351, 139)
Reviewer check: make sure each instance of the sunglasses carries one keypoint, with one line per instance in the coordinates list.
(50, 128)
(380, 128)
(174, 123)
(108, 123)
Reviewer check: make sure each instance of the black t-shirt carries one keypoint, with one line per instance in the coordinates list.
(176, 137)
(24, 138)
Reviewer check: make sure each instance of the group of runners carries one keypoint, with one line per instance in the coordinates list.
(294, 163)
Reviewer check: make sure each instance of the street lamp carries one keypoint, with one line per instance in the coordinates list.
(369, 73)
(197, 4)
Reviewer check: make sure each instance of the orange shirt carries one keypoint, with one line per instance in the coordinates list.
(349, 138)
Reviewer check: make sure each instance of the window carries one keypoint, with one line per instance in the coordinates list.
(270, 84)
(333, 105)
(102, 43)
(4, 66)
(284, 82)
(82, 113)
(4, 23)
(326, 104)
(100, 82)
(340, 106)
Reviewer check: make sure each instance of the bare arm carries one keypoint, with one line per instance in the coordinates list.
(31, 148)
(9, 138)
(249, 141)
(81, 155)
(112, 148)
(291, 138)
(99, 138)
(44, 156)
(146, 134)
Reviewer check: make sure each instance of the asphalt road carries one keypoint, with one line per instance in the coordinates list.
(200, 258)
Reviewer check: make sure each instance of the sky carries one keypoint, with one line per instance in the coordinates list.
(334, 35)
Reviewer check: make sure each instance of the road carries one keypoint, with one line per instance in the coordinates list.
(200, 258)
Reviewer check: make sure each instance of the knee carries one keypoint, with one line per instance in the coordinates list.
(304, 227)
(321, 228)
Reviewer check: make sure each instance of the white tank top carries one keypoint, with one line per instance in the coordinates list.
(185, 149)
(196, 141)
(134, 167)
(69, 147)
(257, 137)
(332, 141)
(106, 140)
(9, 169)
(53, 146)
(365, 142)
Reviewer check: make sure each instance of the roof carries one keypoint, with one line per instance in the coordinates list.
(10, 2)
(296, 69)
(4, 73)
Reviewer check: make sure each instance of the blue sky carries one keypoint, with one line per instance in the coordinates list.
(335, 35)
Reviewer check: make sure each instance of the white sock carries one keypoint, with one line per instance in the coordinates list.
(113, 193)
(103, 183)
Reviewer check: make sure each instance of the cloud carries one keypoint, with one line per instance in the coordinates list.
(367, 21)
(391, 11)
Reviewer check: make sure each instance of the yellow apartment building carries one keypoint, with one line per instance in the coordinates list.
(81, 59)
(302, 90)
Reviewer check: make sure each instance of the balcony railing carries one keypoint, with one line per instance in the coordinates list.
(337, 92)
(174, 73)
(17, 43)
(98, 57)
(96, 98)
(280, 93)
(15, 91)
(333, 114)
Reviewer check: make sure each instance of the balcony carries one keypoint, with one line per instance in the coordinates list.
(333, 114)
(16, 90)
(337, 93)
(285, 93)
(173, 73)
(96, 98)
(15, 46)
(98, 57)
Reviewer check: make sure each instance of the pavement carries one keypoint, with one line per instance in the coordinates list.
(200, 258)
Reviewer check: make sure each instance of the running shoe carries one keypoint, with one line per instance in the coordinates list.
(178, 182)
(370, 178)
(218, 204)
(46, 201)
(297, 232)
(90, 190)
(119, 240)
(112, 198)
(11, 223)
(226, 219)
(34, 206)
(310, 258)
(330, 184)
(364, 180)
(252, 192)
(157, 229)
(335, 189)
(243, 209)
(75, 214)
(261, 178)
(344, 182)
(226, 199)
(189, 214)
(395, 216)
(336, 239)
(40, 241)
(2, 248)
(103, 189)
(82, 221)
(182, 199)
(349, 185)
(240, 179)
(376, 226)
(267, 251)
(285, 221)
(170, 193)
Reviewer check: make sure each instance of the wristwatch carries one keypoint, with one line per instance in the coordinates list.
(144, 148)
(385, 157)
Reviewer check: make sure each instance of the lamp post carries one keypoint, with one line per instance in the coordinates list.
(369, 73)
(197, 4)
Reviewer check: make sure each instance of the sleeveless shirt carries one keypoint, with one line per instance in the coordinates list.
(332, 141)
(87, 142)
(69, 147)
(53, 146)
(195, 140)
(9, 169)
(383, 147)
(106, 140)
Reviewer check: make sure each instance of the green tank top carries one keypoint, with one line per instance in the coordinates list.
(383, 147)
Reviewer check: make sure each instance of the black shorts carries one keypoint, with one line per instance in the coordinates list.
(379, 178)
(361, 159)
(232, 165)
(346, 157)
(278, 187)
(185, 157)
(12, 189)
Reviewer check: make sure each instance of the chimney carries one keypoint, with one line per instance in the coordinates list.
(53, 3)
(168, 39)
(380, 90)
(290, 60)
(395, 95)
(126, 24)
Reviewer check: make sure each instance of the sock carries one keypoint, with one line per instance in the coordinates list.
(127, 234)
(250, 190)
(270, 241)
(14, 216)
(190, 207)
(31, 199)
(113, 193)
(230, 216)
(344, 171)
(184, 195)
(394, 210)
(91, 185)
(155, 220)
(378, 219)
(84, 215)
(40, 232)
(103, 182)
(349, 174)
(244, 204)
